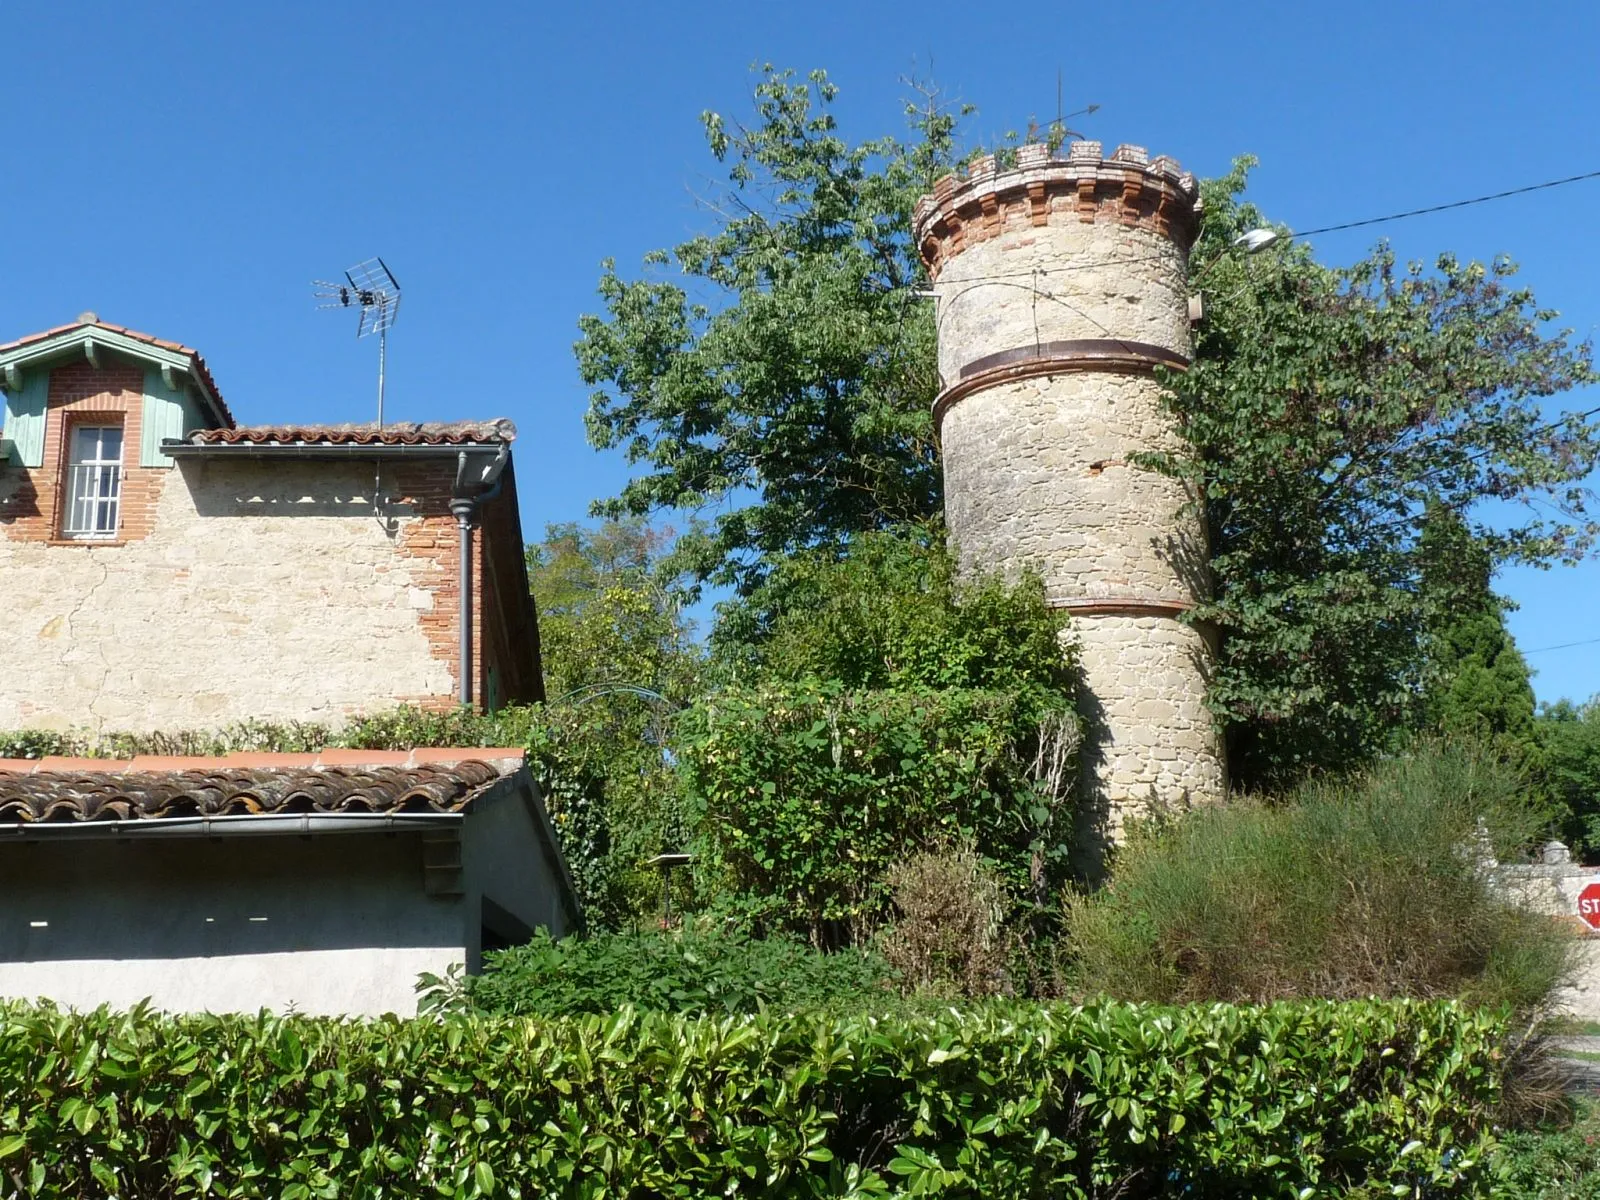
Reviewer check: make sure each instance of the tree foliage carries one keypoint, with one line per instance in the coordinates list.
(1569, 737)
(878, 707)
(620, 660)
(1329, 409)
(1476, 684)
(785, 364)
(782, 373)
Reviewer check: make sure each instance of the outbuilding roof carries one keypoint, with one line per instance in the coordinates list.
(56, 791)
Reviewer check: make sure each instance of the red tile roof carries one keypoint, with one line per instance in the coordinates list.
(368, 433)
(59, 790)
(194, 356)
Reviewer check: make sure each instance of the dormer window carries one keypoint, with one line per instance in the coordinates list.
(94, 482)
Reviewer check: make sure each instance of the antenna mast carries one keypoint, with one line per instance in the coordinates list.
(371, 287)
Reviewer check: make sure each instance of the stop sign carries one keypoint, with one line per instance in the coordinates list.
(1589, 905)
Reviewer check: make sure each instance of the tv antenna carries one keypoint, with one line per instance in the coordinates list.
(371, 287)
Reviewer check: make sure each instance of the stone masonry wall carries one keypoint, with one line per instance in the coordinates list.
(1032, 285)
(1036, 475)
(260, 590)
(1062, 286)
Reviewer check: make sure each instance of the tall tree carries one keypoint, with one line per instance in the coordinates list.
(802, 375)
(620, 659)
(1329, 409)
(1476, 684)
(1569, 736)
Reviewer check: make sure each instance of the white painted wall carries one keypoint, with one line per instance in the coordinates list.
(347, 925)
(505, 857)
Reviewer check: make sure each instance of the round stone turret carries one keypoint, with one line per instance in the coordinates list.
(1062, 285)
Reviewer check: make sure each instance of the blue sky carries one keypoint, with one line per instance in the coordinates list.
(187, 169)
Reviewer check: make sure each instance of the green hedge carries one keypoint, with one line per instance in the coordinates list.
(1363, 1098)
(692, 972)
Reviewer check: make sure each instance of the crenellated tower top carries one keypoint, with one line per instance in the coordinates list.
(1129, 188)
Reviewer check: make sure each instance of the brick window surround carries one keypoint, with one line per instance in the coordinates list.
(81, 394)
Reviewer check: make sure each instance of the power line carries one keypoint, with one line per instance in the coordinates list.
(1434, 208)
(1563, 646)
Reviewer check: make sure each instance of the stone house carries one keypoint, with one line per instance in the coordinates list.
(164, 568)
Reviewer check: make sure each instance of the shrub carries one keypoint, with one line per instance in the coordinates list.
(803, 796)
(1371, 885)
(1363, 1098)
(688, 972)
(1558, 1161)
(949, 936)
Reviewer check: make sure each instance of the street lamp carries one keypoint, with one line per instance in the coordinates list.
(1252, 241)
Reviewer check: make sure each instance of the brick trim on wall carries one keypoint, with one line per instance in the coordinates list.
(80, 393)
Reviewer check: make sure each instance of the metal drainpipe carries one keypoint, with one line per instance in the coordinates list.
(464, 507)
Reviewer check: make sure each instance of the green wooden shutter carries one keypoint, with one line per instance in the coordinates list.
(168, 413)
(24, 419)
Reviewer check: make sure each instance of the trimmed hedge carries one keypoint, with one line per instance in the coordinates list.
(1357, 1098)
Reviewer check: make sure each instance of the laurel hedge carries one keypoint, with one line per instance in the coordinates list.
(1353, 1098)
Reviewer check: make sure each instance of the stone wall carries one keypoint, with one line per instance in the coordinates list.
(261, 589)
(1037, 475)
(1551, 887)
(1062, 288)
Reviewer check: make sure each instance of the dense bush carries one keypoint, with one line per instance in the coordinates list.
(803, 796)
(1358, 1099)
(1372, 885)
(949, 935)
(887, 610)
(689, 972)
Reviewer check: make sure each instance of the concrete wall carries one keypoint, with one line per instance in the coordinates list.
(262, 590)
(334, 923)
(507, 859)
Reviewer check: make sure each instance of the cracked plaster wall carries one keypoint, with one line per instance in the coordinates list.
(264, 591)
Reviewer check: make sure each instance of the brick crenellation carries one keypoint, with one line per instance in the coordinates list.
(1127, 188)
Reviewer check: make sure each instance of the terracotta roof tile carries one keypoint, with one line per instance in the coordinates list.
(78, 790)
(194, 355)
(394, 433)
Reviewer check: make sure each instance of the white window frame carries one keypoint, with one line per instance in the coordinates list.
(93, 494)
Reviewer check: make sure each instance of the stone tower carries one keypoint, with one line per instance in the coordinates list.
(1062, 284)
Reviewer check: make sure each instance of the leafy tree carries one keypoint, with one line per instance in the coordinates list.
(1329, 409)
(605, 618)
(789, 366)
(1570, 742)
(886, 610)
(1476, 683)
(620, 659)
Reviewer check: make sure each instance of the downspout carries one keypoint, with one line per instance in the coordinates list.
(464, 502)
(464, 507)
